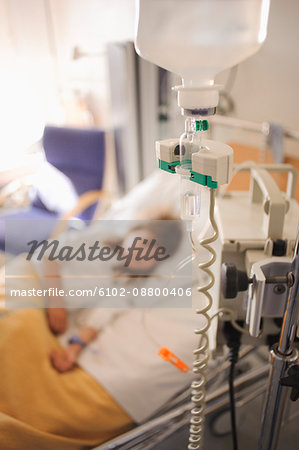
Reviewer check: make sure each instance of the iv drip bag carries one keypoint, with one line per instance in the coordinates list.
(197, 39)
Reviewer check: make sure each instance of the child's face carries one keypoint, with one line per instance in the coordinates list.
(144, 234)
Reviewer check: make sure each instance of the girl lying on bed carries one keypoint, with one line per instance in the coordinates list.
(101, 374)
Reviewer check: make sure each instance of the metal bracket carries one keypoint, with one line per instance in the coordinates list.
(267, 295)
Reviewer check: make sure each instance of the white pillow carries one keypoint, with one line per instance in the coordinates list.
(159, 192)
(54, 189)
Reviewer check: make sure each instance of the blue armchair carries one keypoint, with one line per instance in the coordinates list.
(79, 154)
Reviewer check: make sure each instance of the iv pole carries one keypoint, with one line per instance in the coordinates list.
(282, 356)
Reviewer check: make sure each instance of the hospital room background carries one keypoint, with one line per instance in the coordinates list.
(80, 114)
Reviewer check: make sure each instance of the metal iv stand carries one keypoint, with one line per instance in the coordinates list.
(282, 356)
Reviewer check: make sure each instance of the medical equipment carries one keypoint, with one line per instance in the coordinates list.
(263, 248)
(196, 40)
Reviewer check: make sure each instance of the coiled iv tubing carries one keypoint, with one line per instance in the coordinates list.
(202, 351)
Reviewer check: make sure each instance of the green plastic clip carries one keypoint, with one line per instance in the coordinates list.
(204, 180)
(168, 167)
(202, 125)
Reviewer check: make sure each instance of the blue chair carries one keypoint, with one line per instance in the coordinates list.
(80, 155)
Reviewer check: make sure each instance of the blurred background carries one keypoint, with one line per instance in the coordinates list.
(70, 66)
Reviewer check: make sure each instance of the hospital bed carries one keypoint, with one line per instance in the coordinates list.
(175, 415)
(160, 191)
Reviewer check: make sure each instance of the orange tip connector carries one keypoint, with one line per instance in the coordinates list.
(167, 355)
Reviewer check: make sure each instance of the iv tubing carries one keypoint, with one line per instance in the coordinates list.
(202, 352)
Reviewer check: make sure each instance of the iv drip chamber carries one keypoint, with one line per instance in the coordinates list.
(190, 195)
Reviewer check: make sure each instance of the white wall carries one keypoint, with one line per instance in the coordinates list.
(266, 87)
(27, 84)
(38, 76)
(90, 25)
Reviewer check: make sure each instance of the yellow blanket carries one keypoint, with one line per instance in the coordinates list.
(40, 408)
